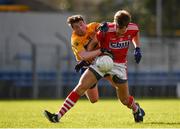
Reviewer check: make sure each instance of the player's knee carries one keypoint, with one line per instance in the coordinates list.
(94, 100)
(81, 89)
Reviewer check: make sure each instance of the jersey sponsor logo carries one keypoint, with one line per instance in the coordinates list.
(76, 43)
(119, 45)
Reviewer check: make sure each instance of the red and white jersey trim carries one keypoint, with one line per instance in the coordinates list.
(132, 26)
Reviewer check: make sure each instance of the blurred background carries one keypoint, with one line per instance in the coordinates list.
(36, 59)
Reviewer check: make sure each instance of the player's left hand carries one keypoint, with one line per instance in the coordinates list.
(103, 27)
(137, 55)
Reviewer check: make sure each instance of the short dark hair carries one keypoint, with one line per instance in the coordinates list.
(122, 18)
(74, 19)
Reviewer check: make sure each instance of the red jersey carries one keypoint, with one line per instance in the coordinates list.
(118, 44)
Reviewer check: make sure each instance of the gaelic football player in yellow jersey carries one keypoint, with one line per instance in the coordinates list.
(82, 41)
(85, 47)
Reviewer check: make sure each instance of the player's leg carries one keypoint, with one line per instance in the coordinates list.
(119, 80)
(122, 91)
(93, 94)
(87, 79)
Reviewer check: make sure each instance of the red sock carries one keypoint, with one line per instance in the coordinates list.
(131, 104)
(69, 102)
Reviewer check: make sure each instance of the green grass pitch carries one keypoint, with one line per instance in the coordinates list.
(160, 113)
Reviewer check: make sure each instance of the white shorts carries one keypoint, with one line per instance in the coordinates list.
(119, 69)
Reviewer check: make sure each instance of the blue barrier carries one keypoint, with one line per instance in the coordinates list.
(25, 78)
(72, 78)
(154, 78)
(11, 75)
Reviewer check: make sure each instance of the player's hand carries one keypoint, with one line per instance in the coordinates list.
(137, 55)
(106, 51)
(80, 64)
(103, 27)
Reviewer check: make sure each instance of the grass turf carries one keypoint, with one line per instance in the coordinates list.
(160, 113)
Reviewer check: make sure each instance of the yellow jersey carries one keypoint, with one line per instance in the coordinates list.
(79, 43)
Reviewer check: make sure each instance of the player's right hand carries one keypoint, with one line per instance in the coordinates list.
(81, 64)
(106, 51)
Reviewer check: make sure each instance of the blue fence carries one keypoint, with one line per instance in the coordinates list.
(25, 78)
(154, 78)
(71, 78)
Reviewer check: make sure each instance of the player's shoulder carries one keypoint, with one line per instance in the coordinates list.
(111, 26)
(132, 26)
(93, 24)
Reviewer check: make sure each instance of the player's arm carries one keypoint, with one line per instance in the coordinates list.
(137, 50)
(93, 43)
(82, 53)
(91, 48)
(136, 40)
(86, 55)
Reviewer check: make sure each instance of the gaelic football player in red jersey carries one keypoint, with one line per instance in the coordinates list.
(115, 40)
